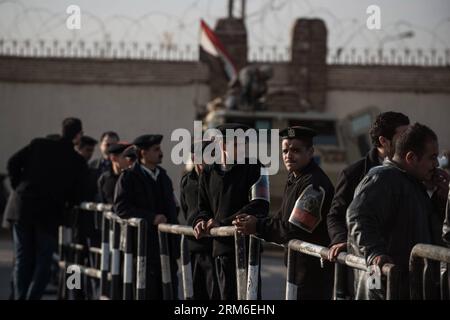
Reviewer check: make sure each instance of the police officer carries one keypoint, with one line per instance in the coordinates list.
(103, 163)
(307, 198)
(108, 179)
(145, 191)
(130, 155)
(225, 192)
(203, 269)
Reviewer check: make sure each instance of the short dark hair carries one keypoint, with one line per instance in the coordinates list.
(414, 139)
(71, 127)
(112, 134)
(87, 141)
(385, 125)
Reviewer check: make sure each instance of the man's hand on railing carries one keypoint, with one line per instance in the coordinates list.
(335, 250)
(200, 229)
(159, 218)
(381, 260)
(245, 224)
(211, 224)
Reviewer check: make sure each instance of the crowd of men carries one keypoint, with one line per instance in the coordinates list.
(383, 204)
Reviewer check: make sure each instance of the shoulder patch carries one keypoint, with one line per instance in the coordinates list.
(307, 211)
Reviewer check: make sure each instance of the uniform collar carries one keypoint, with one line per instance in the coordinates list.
(153, 174)
(307, 169)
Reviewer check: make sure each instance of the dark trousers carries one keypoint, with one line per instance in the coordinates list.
(33, 248)
(226, 277)
(204, 276)
(154, 288)
(313, 281)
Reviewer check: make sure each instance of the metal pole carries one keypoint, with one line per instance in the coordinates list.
(427, 286)
(165, 266)
(141, 260)
(186, 270)
(254, 261)
(415, 278)
(69, 259)
(291, 287)
(104, 264)
(62, 271)
(444, 281)
(340, 282)
(392, 285)
(241, 271)
(128, 265)
(115, 259)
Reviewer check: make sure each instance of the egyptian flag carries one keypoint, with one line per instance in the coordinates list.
(211, 44)
(307, 211)
(260, 189)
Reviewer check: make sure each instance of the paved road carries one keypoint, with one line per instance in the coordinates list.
(273, 271)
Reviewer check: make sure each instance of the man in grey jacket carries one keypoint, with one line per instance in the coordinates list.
(392, 211)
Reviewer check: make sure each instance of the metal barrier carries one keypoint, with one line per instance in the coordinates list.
(421, 272)
(344, 259)
(240, 251)
(117, 241)
(247, 282)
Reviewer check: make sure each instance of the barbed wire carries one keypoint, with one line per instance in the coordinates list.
(161, 29)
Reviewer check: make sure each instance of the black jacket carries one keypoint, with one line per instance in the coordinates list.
(100, 166)
(390, 214)
(313, 281)
(189, 205)
(224, 195)
(47, 175)
(106, 186)
(139, 196)
(277, 228)
(345, 189)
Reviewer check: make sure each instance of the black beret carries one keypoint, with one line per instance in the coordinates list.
(130, 152)
(118, 148)
(298, 132)
(147, 140)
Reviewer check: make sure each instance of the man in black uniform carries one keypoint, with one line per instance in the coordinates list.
(108, 179)
(103, 163)
(385, 130)
(227, 190)
(392, 211)
(46, 175)
(145, 191)
(86, 147)
(203, 269)
(307, 198)
(130, 156)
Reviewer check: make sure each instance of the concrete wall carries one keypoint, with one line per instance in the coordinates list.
(36, 108)
(422, 93)
(135, 97)
(430, 109)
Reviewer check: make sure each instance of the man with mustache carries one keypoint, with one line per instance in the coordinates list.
(392, 211)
